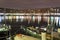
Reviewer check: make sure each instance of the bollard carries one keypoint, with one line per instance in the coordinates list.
(58, 30)
(43, 35)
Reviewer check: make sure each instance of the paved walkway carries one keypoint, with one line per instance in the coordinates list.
(24, 37)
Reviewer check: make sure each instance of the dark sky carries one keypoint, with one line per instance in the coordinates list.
(29, 3)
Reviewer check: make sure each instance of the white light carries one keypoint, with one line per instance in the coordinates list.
(44, 29)
(33, 18)
(30, 30)
(59, 21)
(21, 17)
(39, 18)
(6, 17)
(1, 13)
(37, 27)
(2, 29)
(56, 19)
(17, 17)
(52, 18)
(24, 29)
(10, 17)
(0, 19)
(34, 32)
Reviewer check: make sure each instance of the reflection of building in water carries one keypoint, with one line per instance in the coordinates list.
(43, 21)
(0, 19)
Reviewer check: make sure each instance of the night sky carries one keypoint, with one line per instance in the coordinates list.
(21, 4)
